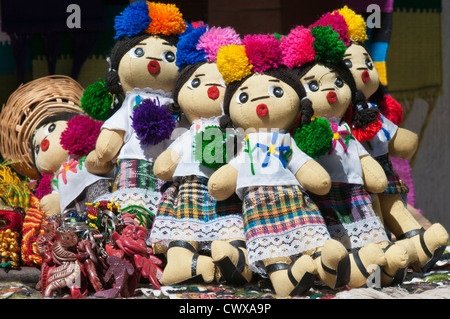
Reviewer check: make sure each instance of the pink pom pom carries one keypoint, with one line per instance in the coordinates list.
(263, 51)
(81, 134)
(216, 37)
(44, 186)
(337, 23)
(297, 47)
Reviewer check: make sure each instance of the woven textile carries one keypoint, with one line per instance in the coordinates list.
(280, 222)
(188, 212)
(349, 215)
(395, 183)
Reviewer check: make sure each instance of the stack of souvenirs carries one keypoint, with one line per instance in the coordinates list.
(208, 155)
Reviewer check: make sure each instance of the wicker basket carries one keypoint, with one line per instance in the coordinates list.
(26, 108)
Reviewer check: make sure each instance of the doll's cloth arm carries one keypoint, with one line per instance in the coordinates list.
(222, 183)
(374, 178)
(403, 144)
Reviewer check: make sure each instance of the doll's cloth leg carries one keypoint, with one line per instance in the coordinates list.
(136, 189)
(280, 223)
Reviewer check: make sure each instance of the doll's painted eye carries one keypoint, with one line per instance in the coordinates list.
(51, 128)
(242, 98)
(137, 52)
(348, 63)
(275, 91)
(369, 64)
(312, 86)
(168, 56)
(37, 149)
(195, 83)
(339, 83)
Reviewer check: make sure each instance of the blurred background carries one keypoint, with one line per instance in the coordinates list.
(412, 43)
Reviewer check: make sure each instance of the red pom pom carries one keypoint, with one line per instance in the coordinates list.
(81, 134)
(391, 109)
(369, 132)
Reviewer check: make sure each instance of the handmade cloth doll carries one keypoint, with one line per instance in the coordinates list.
(60, 145)
(283, 227)
(189, 219)
(139, 85)
(317, 55)
(382, 137)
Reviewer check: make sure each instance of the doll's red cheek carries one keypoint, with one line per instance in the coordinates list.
(262, 110)
(332, 97)
(365, 77)
(153, 67)
(213, 92)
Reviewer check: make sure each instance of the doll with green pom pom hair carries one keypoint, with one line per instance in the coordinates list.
(317, 54)
(383, 138)
(135, 101)
(189, 219)
(283, 227)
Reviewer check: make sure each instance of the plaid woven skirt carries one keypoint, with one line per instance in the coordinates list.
(349, 215)
(136, 190)
(395, 184)
(280, 221)
(188, 212)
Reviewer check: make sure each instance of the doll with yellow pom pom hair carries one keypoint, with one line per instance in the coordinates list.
(135, 102)
(382, 137)
(283, 227)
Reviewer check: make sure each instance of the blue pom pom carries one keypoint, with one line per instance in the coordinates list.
(187, 52)
(152, 123)
(133, 20)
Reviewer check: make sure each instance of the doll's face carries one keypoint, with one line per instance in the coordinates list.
(362, 68)
(151, 63)
(48, 152)
(202, 94)
(329, 94)
(264, 102)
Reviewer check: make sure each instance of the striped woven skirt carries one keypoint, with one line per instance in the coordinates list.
(280, 221)
(395, 184)
(188, 212)
(349, 215)
(136, 190)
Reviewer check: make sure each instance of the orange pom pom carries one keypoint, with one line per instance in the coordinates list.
(166, 19)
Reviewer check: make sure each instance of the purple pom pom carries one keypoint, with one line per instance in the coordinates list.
(153, 123)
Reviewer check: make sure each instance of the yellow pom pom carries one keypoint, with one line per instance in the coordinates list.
(166, 19)
(233, 63)
(356, 24)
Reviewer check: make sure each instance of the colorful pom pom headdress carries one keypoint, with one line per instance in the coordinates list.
(200, 43)
(151, 18)
(257, 53)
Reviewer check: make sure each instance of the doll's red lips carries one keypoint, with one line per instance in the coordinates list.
(45, 144)
(262, 110)
(153, 67)
(213, 92)
(331, 97)
(365, 77)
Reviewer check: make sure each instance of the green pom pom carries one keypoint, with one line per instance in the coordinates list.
(210, 147)
(327, 45)
(315, 139)
(96, 101)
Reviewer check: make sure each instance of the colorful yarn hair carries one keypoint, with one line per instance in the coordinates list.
(200, 43)
(355, 24)
(257, 53)
(151, 18)
(337, 23)
(319, 43)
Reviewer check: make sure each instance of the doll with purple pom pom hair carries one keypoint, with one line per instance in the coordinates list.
(139, 125)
